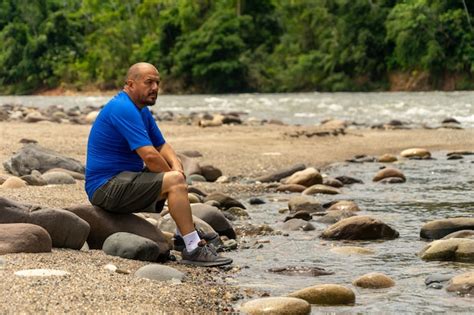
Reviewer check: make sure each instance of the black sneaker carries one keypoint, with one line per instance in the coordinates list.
(210, 238)
(204, 255)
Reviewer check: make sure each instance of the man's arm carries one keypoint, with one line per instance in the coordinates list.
(171, 158)
(153, 159)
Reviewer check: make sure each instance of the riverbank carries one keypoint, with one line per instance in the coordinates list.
(244, 152)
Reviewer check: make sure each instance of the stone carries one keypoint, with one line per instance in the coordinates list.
(41, 273)
(13, 212)
(347, 180)
(301, 271)
(453, 249)
(352, 250)
(344, 205)
(455, 157)
(223, 180)
(196, 178)
(460, 234)
(326, 294)
(58, 178)
(34, 157)
(190, 165)
(388, 172)
(159, 272)
(298, 225)
(168, 225)
(34, 179)
(276, 306)
(14, 182)
(440, 228)
(91, 117)
(415, 152)
(362, 158)
(131, 246)
(387, 158)
(460, 152)
(215, 218)
(193, 198)
(374, 280)
(211, 173)
(307, 177)
(302, 214)
(462, 284)
(321, 189)
(225, 201)
(34, 117)
(196, 191)
(306, 203)
(103, 224)
(256, 201)
(392, 180)
(279, 175)
(3, 178)
(24, 238)
(437, 279)
(360, 228)
(329, 181)
(290, 188)
(237, 212)
(253, 230)
(334, 216)
(74, 175)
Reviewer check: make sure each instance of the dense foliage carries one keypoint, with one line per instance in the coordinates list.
(217, 46)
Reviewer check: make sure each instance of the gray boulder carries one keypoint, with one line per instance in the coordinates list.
(131, 246)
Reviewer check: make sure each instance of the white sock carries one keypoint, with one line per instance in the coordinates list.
(191, 241)
(178, 232)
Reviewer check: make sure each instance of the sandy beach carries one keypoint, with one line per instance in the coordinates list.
(242, 151)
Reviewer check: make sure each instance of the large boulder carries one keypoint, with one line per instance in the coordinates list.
(215, 218)
(24, 238)
(279, 175)
(276, 306)
(440, 228)
(453, 249)
(307, 177)
(326, 294)
(360, 228)
(34, 157)
(462, 284)
(131, 246)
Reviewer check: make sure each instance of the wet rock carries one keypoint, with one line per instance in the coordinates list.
(329, 181)
(229, 245)
(347, 180)
(360, 228)
(374, 280)
(352, 250)
(439, 228)
(276, 306)
(460, 152)
(321, 189)
(437, 279)
(387, 158)
(24, 238)
(14, 182)
(415, 152)
(334, 216)
(225, 201)
(196, 178)
(279, 175)
(450, 120)
(298, 225)
(237, 212)
(326, 294)
(34, 179)
(306, 177)
(58, 178)
(344, 205)
(196, 191)
(3, 178)
(74, 175)
(302, 214)
(388, 172)
(306, 203)
(159, 273)
(215, 218)
(210, 172)
(361, 159)
(34, 157)
(455, 157)
(462, 284)
(193, 198)
(453, 249)
(254, 230)
(290, 188)
(301, 271)
(451, 126)
(131, 246)
(460, 234)
(392, 180)
(256, 201)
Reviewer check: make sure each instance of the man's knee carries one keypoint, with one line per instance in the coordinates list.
(173, 180)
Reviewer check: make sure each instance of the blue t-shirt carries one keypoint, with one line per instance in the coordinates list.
(120, 129)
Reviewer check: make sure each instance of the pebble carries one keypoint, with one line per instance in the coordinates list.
(41, 273)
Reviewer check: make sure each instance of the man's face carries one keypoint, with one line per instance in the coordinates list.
(145, 87)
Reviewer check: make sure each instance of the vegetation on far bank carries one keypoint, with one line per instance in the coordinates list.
(219, 46)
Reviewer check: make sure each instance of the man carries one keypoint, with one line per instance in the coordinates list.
(124, 139)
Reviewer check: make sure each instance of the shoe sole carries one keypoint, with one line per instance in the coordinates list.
(206, 263)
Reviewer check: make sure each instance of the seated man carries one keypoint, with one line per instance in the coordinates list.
(124, 139)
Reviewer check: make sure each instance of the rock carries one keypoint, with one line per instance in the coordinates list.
(210, 172)
(347, 180)
(196, 178)
(302, 214)
(190, 165)
(329, 181)
(229, 245)
(392, 180)
(276, 306)
(290, 188)
(26, 140)
(103, 224)
(361, 159)
(298, 225)
(34, 157)
(279, 175)
(437, 279)
(326, 294)
(388, 172)
(214, 218)
(450, 120)
(301, 271)
(58, 178)
(439, 228)
(344, 205)
(13, 212)
(193, 198)
(374, 280)
(256, 201)
(455, 157)
(24, 238)
(168, 225)
(335, 216)
(34, 179)
(462, 284)
(225, 201)
(131, 246)
(196, 191)
(352, 250)
(416, 152)
(237, 212)
(14, 182)
(360, 228)
(453, 249)
(306, 177)
(321, 189)
(41, 273)
(3, 178)
(91, 117)
(74, 175)
(460, 152)
(159, 273)
(253, 230)
(223, 180)
(34, 117)
(305, 203)
(387, 158)
(460, 234)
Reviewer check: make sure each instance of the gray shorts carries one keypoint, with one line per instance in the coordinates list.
(130, 192)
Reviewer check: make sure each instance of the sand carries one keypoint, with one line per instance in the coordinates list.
(244, 152)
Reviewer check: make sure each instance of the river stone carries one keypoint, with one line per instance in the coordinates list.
(256, 201)
(254, 230)
(24, 238)
(326, 294)
(374, 280)
(290, 188)
(460, 234)
(298, 225)
(103, 224)
(74, 175)
(460, 152)
(191, 153)
(306, 271)
(91, 117)
(196, 191)
(439, 228)
(159, 273)
(387, 158)
(306, 203)
(302, 214)
(360, 228)
(34, 179)
(415, 152)
(307, 177)
(453, 249)
(276, 306)
(225, 201)
(14, 182)
(437, 279)
(279, 175)
(13, 212)
(34, 117)
(196, 178)
(190, 165)
(352, 250)
(392, 180)
(237, 212)
(210, 172)
(131, 246)
(321, 189)
(215, 218)
(388, 172)
(193, 198)
(347, 180)
(34, 157)
(462, 284)
(58, 178)
(329, 181)
(344, 205)
(334, 216)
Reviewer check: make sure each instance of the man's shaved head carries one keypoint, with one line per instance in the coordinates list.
(142, 84)
(136, 71)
